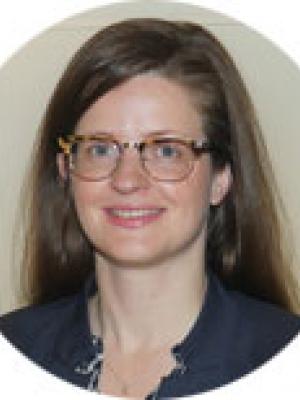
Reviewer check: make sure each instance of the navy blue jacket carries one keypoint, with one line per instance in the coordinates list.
(232, 335)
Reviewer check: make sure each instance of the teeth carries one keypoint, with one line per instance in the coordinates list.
(134, 213)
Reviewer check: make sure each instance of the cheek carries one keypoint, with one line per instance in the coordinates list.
(83, 195)
(192, 196)
(87, 203)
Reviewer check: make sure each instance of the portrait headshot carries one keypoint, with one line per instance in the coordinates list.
(153, 251)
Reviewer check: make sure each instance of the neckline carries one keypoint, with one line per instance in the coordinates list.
(204, 337)
(183, 347)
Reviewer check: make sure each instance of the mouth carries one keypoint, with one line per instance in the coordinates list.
(133, 217)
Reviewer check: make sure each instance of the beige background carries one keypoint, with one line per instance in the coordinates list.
(28, 78)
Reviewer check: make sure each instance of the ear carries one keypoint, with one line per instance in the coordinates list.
(61, 166)
(221, 184)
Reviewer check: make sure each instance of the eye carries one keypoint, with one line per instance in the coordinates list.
(167, 151)
(100, 149)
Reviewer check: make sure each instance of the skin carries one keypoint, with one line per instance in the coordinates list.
(151, 280)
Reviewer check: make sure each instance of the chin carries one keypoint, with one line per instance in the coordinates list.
(133, 258)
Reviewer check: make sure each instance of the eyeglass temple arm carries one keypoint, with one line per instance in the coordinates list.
(65, 146)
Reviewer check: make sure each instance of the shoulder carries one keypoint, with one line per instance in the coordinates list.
(249, 315)
(33, 329)
(264, 316)
(262, 328)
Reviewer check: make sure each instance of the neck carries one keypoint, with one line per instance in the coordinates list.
(146, 308)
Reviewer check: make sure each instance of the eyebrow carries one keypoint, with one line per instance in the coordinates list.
(158, 132)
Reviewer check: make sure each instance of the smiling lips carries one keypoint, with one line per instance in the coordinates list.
(133, 217)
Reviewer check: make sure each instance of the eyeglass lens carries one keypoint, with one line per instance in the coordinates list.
(164, 159)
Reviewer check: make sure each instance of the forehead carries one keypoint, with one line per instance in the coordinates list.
(143, 104)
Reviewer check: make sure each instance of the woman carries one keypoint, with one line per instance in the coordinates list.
(153, 252)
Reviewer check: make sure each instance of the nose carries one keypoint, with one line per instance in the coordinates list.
(129, 175)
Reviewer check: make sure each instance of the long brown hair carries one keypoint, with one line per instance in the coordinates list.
(244, 242)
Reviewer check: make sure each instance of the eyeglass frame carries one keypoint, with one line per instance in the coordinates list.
(198, 147)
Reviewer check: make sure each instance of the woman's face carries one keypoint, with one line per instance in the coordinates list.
(131, 112)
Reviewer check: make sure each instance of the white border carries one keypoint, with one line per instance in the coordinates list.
(19, 22)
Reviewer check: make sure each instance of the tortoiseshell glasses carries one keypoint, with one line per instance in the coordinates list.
(165, 158)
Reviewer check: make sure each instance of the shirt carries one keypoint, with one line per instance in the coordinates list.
(232, 335)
